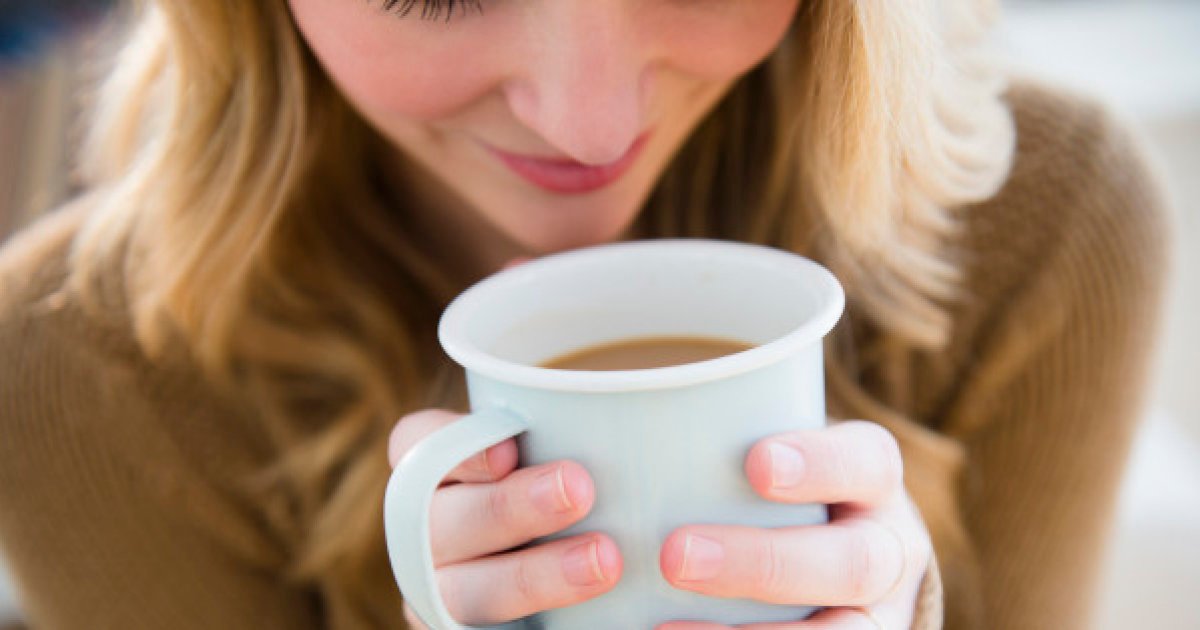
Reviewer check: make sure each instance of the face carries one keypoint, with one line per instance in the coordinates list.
(548, 119)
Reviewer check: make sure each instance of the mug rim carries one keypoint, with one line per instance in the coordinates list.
(452, 328)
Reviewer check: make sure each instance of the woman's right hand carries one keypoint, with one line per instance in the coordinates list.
(484, 508)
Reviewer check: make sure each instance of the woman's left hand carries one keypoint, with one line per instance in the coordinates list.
(865, 565)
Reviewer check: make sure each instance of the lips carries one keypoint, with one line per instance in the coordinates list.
(569, 176)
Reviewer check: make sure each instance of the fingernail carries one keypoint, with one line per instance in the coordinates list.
(702, 558)
(787, 466)
(549, 492)
(581, 565)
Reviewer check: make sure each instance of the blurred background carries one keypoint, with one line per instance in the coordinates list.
(1141, 57)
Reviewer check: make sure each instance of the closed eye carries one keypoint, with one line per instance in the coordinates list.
(431, 9)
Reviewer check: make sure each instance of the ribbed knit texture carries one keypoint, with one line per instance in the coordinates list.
(123, 501)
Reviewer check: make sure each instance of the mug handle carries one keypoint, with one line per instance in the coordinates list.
(409, 494)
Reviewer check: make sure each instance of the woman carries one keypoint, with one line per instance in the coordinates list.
(206, 354)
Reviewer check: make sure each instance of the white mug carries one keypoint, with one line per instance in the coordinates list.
(665, 446)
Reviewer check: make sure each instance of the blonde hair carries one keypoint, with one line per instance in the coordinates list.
(235, 192)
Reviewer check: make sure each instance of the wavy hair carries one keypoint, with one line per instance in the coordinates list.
(234, 190)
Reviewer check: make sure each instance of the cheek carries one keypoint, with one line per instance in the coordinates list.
(425, 70)
(721, 39)
(381, 63)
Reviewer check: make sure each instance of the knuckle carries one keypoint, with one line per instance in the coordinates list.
(875, 560)
(527, 587)
(916, 561)
(870, 432)
(924, 551)
(410, 428)
(917, 553)
(499, 505)
(859, 567)
(452, 597)
(875, 443)
(891, 459)
(842, 456)
(773, 575)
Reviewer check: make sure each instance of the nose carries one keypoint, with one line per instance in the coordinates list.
(581, 82)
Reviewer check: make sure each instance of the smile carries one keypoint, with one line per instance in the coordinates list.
(569, 176)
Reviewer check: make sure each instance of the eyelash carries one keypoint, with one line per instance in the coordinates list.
(431, 9)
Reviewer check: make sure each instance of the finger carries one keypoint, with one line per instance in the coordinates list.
(519, 260)
(491, 465)
(472, 520)
(849, 462)
(855, 562)
(505, 587)
(414, 622)
(827, 619)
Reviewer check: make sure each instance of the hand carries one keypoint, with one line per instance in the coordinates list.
(484, 508)
(866, 564)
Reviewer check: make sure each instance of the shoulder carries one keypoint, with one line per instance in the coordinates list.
(59, 380)
(1082, 209)
(1070, 257)
(1074, 151)
(40, 323)
(33, 260)
(1063, 270)
(131, 459)
(54, 361)
(70, 378)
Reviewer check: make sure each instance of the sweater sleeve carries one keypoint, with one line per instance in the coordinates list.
(103, 522)
(1047, 408)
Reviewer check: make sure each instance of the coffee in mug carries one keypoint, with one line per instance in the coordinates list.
(646, 353)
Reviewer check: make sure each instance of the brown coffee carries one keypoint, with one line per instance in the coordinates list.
(646, 352)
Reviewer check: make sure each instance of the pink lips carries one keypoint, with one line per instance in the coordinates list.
(569, 176)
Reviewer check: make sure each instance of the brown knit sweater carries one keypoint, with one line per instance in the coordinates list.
(122, 503)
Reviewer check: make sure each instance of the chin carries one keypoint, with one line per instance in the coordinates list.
(565, 229)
